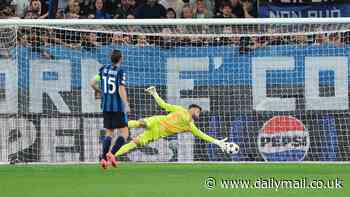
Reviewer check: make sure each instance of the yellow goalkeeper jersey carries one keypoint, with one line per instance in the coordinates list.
(179, 120)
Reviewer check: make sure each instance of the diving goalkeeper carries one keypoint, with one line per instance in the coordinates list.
(177, 121)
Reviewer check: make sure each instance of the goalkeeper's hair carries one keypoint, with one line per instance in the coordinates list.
(195, 106)
(116, 56)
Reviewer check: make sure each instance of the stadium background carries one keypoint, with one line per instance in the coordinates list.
(231, 107)
(70, 9)
(329, 126)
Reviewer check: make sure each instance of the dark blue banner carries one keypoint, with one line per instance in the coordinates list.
(291, 10)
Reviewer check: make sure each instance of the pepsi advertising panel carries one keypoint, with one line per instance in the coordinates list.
(283, 138)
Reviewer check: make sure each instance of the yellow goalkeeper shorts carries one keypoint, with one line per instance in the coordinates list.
(153, 131)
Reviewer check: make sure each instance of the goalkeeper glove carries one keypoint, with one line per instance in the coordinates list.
(221, 144)
(151, 90)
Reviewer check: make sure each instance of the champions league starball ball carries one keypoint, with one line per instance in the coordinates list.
(232, 148)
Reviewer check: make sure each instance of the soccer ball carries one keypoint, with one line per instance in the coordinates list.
(232, 148)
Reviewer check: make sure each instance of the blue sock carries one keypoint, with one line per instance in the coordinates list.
(118, 144)
(105, 146)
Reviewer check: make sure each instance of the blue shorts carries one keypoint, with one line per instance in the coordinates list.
(115, 120)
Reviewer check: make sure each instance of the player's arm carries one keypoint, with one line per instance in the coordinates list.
(123, 95)
(198, 133)
(94, 81)
(164, 105)
(122, 90)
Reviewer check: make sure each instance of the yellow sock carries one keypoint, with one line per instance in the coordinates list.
(126, 148)
(133, 124)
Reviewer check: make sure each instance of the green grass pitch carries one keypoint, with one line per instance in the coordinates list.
(162, 180)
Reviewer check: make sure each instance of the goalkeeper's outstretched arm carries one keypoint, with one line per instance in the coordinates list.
(198, 133)
(164, 105)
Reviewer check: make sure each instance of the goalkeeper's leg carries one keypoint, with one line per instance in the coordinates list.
(127, 147)
(149, 135)
(137, 123)
(149, 122)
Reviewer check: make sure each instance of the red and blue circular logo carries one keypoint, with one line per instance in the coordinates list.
(283, 138)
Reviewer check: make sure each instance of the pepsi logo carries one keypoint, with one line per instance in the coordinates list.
(283, 138)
